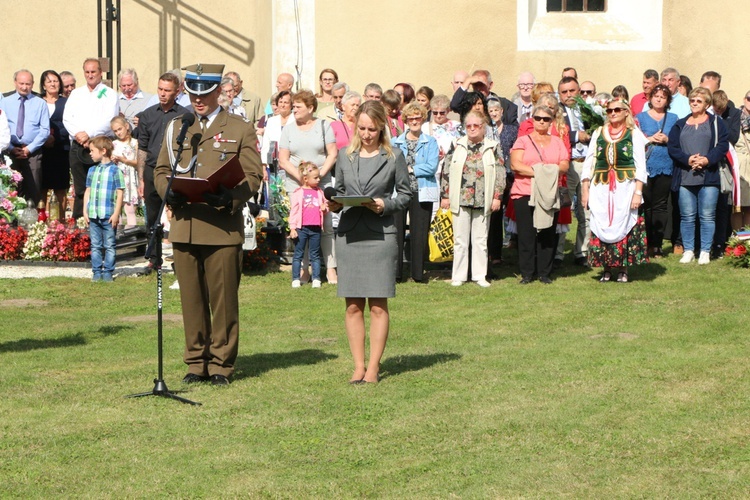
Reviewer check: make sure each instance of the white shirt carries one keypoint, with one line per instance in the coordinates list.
(578, 150)
(4, 132)
(90, 111)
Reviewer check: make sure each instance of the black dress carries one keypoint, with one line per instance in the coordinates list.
(55, 159)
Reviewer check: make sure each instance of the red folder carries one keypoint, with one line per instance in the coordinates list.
(229, 175)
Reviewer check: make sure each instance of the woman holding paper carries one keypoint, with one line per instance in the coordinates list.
(366, 246)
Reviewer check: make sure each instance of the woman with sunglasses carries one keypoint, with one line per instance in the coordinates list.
(530, 156)
(612, 181)
(421, 153)
(696, 144)
(443, 129)
(472, 187)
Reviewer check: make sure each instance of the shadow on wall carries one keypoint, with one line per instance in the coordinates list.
(199, 23)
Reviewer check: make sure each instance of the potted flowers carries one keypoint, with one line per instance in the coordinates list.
(738, 248)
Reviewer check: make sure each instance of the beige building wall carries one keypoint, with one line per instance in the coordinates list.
(425, 42)
(387, 42)
(157, 35)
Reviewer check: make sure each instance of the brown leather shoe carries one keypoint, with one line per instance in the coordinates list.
(678, 249)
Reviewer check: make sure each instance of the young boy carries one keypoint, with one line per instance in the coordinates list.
(102, 204)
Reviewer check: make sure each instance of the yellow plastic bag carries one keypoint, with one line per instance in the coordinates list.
(440, 239)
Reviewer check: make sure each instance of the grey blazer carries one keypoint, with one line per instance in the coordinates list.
(392, 175)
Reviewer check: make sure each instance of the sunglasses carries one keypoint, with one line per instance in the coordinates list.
(439, 113)
(611, 111)
(699, 101)
(414, 119)
(588, 92)
(545, 119)
(472, 126)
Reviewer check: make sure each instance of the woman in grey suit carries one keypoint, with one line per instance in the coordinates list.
(366, 247)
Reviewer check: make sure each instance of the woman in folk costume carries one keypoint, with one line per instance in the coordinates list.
(612, 187)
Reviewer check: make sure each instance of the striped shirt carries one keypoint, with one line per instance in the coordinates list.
(104, 180)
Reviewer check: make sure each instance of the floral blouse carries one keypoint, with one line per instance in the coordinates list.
(472, 177)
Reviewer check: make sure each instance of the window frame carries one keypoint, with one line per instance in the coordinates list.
(564, 10)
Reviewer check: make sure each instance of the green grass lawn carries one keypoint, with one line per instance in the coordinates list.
(578, 389)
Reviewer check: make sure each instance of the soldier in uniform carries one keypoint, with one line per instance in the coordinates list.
(207, 237)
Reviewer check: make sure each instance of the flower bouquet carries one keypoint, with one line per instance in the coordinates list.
(738, 248)
(10, 203)
(592, 115)
(280, 204)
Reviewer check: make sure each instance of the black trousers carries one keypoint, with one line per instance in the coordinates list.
(723, 224)
(674, 197)
(495, 236)
(536, 250)
(420, 214)
(31, 170)
(656, 208)
(79, 171)
(151, 198)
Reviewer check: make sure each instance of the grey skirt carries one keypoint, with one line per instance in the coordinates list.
(366, 264)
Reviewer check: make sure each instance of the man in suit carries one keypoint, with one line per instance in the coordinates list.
(568, 89)
(207, 236)
(481, 79)
(68, 83)
(28, 120)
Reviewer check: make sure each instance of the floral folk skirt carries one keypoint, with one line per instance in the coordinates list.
(629, 251)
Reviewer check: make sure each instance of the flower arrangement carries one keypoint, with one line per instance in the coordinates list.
(32, 250)
(10, 203)
(592, 115)
(61, 242)
(66, 243)
(12, 240)
(280, 203)
(258, 259)
(738, 248)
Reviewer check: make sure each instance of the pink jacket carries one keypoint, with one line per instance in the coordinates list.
(295, 214)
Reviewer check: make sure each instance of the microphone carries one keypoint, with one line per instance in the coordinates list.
(187, 120)
(329, 193)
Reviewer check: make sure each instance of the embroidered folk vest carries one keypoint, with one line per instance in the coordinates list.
(615, 156)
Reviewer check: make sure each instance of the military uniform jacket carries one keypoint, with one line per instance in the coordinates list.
(200, 223)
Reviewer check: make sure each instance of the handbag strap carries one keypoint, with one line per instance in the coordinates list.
(323, 132)
(541, 157)
(716, 131)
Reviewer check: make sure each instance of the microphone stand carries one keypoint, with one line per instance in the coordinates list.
(154, 245)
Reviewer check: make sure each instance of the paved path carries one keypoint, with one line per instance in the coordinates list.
(128, 265)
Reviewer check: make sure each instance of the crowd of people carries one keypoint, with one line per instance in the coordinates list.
(45, 134)
(514, 170)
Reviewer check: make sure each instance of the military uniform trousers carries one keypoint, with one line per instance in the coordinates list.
(209, 276)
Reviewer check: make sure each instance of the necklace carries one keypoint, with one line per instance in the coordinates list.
(615, 134)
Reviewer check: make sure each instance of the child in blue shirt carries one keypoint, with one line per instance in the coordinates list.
(102, 205)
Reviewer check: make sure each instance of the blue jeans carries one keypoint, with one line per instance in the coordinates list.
(305, 235)
(698, 201)
(102, 247)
